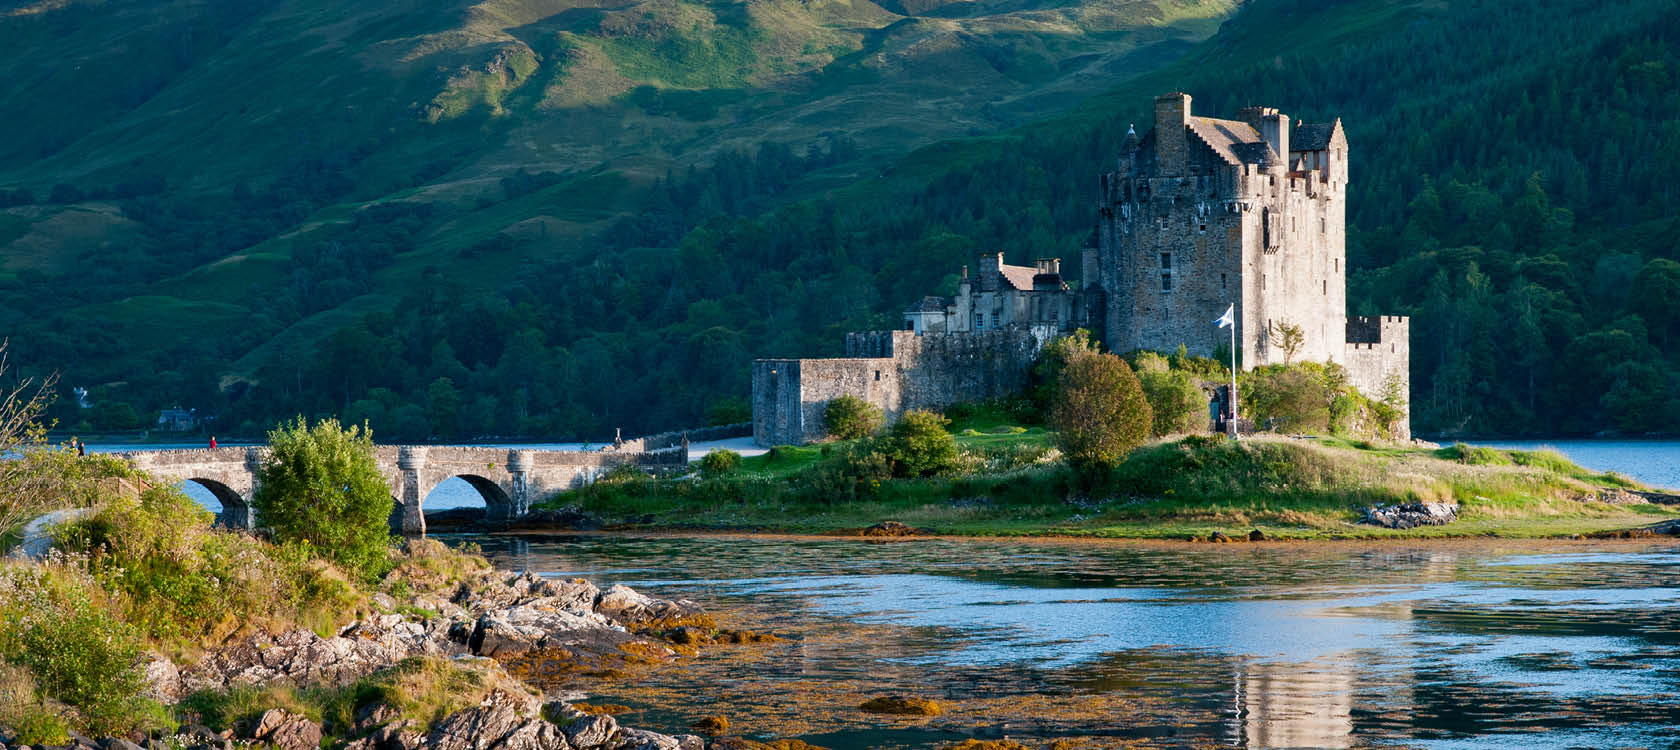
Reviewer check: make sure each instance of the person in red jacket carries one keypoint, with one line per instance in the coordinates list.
(212, 442)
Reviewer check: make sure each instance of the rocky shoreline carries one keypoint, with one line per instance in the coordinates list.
(494, 626)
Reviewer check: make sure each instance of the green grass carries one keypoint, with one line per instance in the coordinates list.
(1287, 488)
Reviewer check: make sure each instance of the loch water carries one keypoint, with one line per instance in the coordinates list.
(1445, 644)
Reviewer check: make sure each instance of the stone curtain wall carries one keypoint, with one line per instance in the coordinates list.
(894, 370)
(1379, 350)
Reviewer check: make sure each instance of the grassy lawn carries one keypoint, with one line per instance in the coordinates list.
(1012, 484)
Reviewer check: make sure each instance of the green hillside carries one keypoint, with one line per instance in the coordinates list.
(519, 218)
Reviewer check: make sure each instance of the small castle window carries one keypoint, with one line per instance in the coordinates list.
(1221, 281)
(1166, 261)
(979, 321)
(1338, 265)
(877, 374)
(1321, 225)
(1326, 287)
(1166, 282)
(1263, 286)
(1202, 227)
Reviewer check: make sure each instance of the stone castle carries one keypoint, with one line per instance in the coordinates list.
(1199, 213)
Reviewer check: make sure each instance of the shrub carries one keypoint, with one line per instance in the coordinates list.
(1100, 413)
(176, 574)
(849, 418)
(77, 653)
(853, 474)
(720, 462)
(321, 487)
(918, 445)
(1287, 398)
(1177, 404)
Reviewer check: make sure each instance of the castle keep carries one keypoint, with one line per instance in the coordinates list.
(1199, 213)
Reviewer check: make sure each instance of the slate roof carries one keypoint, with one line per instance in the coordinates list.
(1315, 137)
(1230, 139)
(931, 304)
(1019, 277)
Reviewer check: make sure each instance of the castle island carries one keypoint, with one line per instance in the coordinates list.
(1198, 214)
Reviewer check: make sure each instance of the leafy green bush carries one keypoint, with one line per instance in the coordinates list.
(41, 726)
(1287, 398)
(1178, 405)
(720, 462)
(853, 474)
(76, 652)
(918, 445)
(1101, 413)
(321, 487)
(849, 418)
(177, 575)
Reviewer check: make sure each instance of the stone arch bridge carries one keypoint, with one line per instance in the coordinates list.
(509, 480)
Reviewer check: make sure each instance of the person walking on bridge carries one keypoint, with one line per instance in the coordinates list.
(212, 442)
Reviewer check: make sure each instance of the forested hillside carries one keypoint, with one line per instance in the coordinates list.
(1508, 191)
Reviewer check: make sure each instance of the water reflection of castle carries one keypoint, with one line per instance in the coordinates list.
(1286, 706)
(1310, 705)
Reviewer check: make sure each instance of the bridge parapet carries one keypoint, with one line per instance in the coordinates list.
(509, 480)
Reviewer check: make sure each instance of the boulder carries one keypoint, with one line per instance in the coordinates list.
(163, 680)
(635, 610)
(641, 739)
(287, 731)
(591, 732)
(398, 735)
(690, 741)
(1411, 515)
(117, 743)
(535, 734)
(484, 726)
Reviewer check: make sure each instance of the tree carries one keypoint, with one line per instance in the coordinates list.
(919, 445)
(1655, 295)
(1100, 413)
(849, 418)
(321, 487)
(1047, 370)
(22, 492)
(1288, 337)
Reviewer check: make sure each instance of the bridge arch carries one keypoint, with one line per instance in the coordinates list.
(458, 490)
(236, 512)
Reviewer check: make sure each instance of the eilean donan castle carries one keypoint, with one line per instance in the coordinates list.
(1199, 213)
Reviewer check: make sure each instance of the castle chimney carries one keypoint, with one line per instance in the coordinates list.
(1172, 151)
(1274, 128)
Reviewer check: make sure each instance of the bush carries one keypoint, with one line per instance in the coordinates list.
(177, 575)
(1475, 455)
(1100, 413)
(77, 653)
(321, 487)
(849, 418)
(854, 474)
(1288, 398)
(918, 445)
(1178, 405)
(720, 462)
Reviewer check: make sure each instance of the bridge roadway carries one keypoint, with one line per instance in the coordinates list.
(508, 480)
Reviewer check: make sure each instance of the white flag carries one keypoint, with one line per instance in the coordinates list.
(1228, 318)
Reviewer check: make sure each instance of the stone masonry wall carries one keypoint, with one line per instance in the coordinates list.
(894, 370)
(1378, 350)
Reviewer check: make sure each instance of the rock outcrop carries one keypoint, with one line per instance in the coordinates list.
(1411, 515)
(502, 616)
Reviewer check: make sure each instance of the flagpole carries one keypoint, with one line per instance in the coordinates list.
(1232, 426)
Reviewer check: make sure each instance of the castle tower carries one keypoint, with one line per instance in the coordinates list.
(1202, 212)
